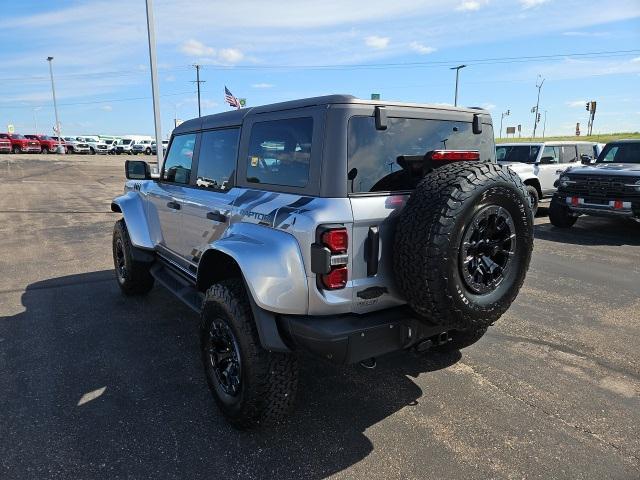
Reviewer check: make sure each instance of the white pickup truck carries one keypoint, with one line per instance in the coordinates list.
(539, 164)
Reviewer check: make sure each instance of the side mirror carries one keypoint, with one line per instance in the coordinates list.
(585, 159)
(137, 170)
(548, 160)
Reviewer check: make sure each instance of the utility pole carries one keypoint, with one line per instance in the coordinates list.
(35, 119)
(457, 69)
(504, 114)
(591, 108)
(198, 82)
(151, 33)
(60, 148)
(536, 116)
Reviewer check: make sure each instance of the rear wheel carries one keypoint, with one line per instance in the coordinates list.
(133, 277)
(251, 385)
(559, 214)
(45, 150)
(463, 244)
(93, 151)
(16, 149)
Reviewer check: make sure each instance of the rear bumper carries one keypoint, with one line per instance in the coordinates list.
(351, 338)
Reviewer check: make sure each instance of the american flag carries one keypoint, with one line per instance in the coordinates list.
(230, 99)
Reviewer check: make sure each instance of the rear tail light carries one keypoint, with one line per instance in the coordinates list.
(336, 240)
(329, 258)
(455, 155)
(336, 278)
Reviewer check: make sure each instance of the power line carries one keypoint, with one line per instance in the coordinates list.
(434, 63)
(93, 102)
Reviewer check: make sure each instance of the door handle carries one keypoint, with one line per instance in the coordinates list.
(173, 205)
(216, 216)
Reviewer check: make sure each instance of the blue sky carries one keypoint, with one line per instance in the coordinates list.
(263, 50)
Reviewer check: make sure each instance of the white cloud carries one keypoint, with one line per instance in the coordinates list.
(469, 6)
(488, 106)
(106, 108)
(532, 3)
(421, 48)
(230, 55)
(379, 43)
(635, 60)
(262, 85)
(195, 48)
(576, 103)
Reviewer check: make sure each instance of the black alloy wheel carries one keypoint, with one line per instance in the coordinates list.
(487, 247)
(121, 266)
(223, 357)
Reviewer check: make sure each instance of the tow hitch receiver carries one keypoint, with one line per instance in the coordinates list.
(434, 341)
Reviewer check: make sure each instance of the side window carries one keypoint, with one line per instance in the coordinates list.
(550, 155)
(177, 165)
(569, 154)
(587, 150)
(611, 155)
(280, 152)
(217, 159)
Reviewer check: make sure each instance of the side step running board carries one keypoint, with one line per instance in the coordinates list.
(180, 286)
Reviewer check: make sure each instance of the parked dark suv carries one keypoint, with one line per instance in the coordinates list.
(610, 187)
(335, 226)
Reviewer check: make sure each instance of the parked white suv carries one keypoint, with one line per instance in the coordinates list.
(539, 164)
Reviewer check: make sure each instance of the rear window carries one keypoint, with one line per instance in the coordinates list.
(280, 152)
(373, 154)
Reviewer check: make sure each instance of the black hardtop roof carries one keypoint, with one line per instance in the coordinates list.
(626, 140)
(235, 117)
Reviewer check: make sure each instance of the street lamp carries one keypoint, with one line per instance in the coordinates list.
(504, 114)
(155, 94)
(60, 148)
(457, 69)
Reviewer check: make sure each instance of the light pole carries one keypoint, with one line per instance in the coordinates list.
(504, 114)
(154, 80)
(535, 114)
(60, 148)
(544, 125)
(457, 69)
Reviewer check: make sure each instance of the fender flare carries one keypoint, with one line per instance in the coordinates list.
(132, 208)
(271, 265)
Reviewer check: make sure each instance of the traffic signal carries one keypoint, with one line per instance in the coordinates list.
(593, 107)
(588, 106)
(538, 118)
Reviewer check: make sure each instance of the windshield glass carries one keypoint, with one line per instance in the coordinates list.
(620, 153)
(517, 153)
(18, 136)
(126, 142)
(373, 154)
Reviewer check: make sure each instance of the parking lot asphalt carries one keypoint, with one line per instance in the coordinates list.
(96, 385)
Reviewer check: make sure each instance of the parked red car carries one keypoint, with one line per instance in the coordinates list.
(47, 144)
(5, 145)
(21, 144)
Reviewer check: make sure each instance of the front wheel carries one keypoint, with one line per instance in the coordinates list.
(534, 198)
(16, 150)
(133, 277)
(148, 151)
(559, 214)
(251, 385)
(463, 244)
(45, 151)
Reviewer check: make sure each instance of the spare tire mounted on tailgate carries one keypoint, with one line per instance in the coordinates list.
(463, 244)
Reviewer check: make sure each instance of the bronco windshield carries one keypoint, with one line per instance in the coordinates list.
(620, 153)
(517, 153)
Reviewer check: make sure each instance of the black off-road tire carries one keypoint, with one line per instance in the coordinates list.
(559, 214)
(444, 207)
(534, 198)
(462, 339)
(268, 380)
(133, 277)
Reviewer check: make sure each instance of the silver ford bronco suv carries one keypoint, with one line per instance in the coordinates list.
(335, 226)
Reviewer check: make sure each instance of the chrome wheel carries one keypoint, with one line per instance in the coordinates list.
(488, 245)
